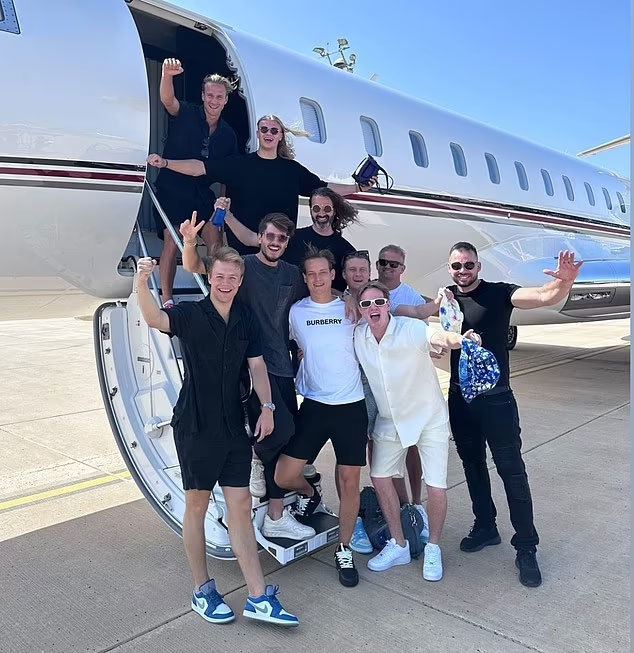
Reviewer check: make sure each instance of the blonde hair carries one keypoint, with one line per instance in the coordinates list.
(215, 78)
(285, 148)
(223, 255)
(377, 285)
(393, 248)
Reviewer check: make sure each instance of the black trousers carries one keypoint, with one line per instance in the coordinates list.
(493, 420)
(268, 451)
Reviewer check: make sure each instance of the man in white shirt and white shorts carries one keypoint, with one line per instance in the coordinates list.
(333, 408)
(394, 354)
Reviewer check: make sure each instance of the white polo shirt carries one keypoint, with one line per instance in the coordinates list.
(404, 294)
(403, 379)
(329, 371)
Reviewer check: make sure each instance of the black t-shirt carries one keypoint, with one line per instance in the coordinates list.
(487, 310)
(270, 291)
(259, 186)
(188, 138)
(214, 352)
(336, 243)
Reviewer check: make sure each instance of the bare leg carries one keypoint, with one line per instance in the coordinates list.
(288, 474)
(390, 507)
(212, 237)
(415, 473)
(338, 481)
(349, 501)
(167, 266)
(242, 537)
(436, 511)
(196, 504)
(401, 489)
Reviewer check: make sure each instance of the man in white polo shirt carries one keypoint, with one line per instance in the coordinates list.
(394, 354)
(333, 408)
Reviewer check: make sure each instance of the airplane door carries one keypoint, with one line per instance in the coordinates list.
(73, 141)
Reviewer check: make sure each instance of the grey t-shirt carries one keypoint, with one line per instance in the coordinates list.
(270, 292)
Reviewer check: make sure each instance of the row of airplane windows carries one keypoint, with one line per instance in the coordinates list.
(314, 124)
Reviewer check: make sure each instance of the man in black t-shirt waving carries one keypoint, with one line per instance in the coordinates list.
(493, 418)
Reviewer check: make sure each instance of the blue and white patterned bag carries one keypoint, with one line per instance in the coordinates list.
(478, 370)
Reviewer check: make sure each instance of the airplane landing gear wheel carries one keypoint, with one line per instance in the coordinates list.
(511, 337)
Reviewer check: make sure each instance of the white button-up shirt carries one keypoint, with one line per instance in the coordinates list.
(403, 379)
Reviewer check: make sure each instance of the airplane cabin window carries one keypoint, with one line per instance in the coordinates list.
(521, 175)
(548, 183)
(459, 161)
(569, 191)
(313, 119)
(492, 165)
(621, 201)
(608, 199)
(589, 193)
(419, 149)
(8, 17)
(371, 136)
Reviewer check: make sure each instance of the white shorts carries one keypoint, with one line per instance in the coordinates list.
(388, 456)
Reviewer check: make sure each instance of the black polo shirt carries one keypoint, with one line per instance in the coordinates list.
(214, 352)
(188, 138)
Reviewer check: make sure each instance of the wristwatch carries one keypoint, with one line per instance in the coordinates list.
(270, 405)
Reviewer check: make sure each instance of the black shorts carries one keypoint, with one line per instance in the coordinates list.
(346, 425)
(214, 457)
(179, 202)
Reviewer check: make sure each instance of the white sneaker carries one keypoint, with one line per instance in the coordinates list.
(432, 563)
(287, 526)
(391, 555)
(257, 484)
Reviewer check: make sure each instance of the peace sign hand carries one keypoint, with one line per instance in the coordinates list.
(189, 229)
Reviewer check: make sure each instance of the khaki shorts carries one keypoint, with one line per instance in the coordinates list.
(388, 456)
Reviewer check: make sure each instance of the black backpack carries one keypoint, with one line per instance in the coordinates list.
(377, 529)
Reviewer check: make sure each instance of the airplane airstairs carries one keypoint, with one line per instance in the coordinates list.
(140, 374)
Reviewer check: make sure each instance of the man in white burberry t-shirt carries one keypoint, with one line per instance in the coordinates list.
(394, 354)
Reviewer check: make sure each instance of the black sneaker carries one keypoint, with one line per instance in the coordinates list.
(526, 562)
(478, 538)
(348, 574)
(305, 506)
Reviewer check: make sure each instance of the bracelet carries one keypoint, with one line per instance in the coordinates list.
(189, 242)
(166, 162)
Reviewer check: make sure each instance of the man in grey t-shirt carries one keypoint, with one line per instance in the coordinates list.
(270, 287)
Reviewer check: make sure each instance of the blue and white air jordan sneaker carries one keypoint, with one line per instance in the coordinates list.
(268, 608)
(210, 604)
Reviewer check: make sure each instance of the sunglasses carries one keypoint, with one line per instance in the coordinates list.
(361, 253)
(317, 209)
(205, 151)
(469, 265)
(280, 238)
(274, 130)
(379, 301)
(384, 263)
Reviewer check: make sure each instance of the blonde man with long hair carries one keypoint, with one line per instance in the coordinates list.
(266, 181)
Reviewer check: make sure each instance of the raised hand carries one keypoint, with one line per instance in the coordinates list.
(144, 268)
(189, 229)
(223, 203)
(172, 67)
(371, 182)
(567, 270)
(472, 335)
(156, 160)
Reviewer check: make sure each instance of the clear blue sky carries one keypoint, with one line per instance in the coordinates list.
(556, 73)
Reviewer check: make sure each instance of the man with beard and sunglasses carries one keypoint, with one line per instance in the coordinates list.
(266, 181)
(493, 418)
(269, 288)
(197, 132)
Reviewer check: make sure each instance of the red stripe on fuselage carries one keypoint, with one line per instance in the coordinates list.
(73, 174)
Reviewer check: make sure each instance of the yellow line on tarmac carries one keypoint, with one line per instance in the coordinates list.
(61, 491)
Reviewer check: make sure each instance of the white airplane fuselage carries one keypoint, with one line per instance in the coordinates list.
(75, 133)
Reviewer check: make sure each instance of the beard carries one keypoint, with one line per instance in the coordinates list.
(270, 258)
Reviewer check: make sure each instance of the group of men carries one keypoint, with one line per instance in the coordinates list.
(365, 369)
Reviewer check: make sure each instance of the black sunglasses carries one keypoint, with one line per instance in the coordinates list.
(274, 130)
(384, 263)
(469, 265)
(361, 253)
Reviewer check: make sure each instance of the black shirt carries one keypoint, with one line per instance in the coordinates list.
(487, 310)
(188, 138)
(336, 243)
(214, 352)
(270, 291)
(259, 186)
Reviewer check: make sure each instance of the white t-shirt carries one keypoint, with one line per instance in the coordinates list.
(405, 295)
(329, 371)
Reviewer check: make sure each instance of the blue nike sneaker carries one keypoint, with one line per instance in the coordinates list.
(359, 541)
(269, 609)
(210, 604)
